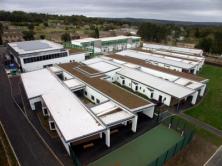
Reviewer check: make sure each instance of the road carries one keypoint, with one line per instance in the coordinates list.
(28, 147)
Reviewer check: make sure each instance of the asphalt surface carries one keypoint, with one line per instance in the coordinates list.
(54, 142)
(216, 159)
(29, 148)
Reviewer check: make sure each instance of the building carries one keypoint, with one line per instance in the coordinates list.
(60, 91)
(89, 100)
(37, 54)
(179, 50)
(153, 84)
(177, 64)
(108, 44)
(193, 82)
(200, 60)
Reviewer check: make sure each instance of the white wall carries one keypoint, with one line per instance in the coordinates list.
(114, 47)
(92, 92)
(33, 101)
(149, 111)
(67, 76)
(145, 90)
(38, 65)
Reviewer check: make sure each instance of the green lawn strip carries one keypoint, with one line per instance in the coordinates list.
(6, 151)
(210, 110)
(208, 136)
(143, 149)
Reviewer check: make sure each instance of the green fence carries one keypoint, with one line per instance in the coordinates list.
(74, 158)
(186, 132)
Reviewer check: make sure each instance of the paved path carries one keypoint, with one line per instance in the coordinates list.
(215, 159)
(194, 121)
(201, 124)
(28, 147)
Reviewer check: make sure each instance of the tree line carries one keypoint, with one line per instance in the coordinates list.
(22, 18)
(208, 39)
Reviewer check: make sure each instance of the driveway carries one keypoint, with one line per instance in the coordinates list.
(28, 147)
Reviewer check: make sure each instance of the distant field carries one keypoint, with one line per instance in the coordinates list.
(143, 149)
(210, 110)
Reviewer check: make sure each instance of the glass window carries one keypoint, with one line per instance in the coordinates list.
(97, 101)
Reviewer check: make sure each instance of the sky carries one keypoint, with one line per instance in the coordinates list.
(180, 10)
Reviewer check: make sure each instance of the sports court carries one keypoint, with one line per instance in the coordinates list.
(142, 150)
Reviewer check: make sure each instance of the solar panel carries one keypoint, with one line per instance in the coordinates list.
(33, 45)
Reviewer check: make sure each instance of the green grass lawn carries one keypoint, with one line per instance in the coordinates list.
(143, 149)
(210, 110)
(210, 137)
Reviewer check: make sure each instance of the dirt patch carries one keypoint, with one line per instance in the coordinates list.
(195, 154)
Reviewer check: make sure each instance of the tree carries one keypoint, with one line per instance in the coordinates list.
(66, 37)
(31, 27)
(96, 32)
(197, 33)
(1, 28)
(1, 42)
(42, 36)
(28, 35)
(46, 24)
(217, 43)
(153, 32)
(205, 44)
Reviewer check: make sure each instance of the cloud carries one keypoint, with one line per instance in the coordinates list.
(189, 10)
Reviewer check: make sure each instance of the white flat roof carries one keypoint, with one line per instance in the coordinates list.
(151, 57)
(114, 38)
(117, 61)
(91, 61)
(130, 65)
(55, 69)
(170, 77)
(73, 84)
(172, 48)
(103, 66)
(84, 40)
(189, 83)
(70, 115)
(196, 58)
(103, 39)
(135, 37)
(162, 85)
(110, 113)
(159, 74)
(26, 47)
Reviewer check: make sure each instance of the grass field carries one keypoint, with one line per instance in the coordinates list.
(142, 150)
(210, 110)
